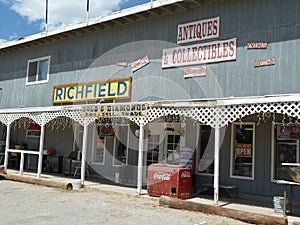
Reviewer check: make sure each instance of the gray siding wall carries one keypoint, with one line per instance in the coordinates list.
(93, 55)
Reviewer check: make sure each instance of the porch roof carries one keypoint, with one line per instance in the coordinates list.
(214, 112)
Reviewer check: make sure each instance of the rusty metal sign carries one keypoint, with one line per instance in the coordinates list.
(140, 63)
(257, 45)
(197, 71)
(266, 62)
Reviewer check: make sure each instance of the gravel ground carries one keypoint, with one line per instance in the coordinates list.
(31, 204)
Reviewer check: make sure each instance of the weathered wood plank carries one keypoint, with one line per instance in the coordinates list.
(37, 181)
(253, 218)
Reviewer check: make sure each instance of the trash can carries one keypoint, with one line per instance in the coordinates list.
(170, 180)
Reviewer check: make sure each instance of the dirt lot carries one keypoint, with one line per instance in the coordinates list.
(31, 204)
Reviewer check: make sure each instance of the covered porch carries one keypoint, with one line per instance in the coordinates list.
(217, 113)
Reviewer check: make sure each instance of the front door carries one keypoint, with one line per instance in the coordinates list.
(163, 143)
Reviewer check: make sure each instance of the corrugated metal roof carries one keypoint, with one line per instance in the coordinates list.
(127, 16)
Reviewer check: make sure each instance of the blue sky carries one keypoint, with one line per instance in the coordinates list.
(21, 18)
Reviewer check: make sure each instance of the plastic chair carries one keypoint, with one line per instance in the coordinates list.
(78, 170)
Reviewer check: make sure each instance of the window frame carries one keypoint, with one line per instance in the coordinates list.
(273, 149)
(115, 145)
(37, 60)
(153, 147)
(172, 155)
(232, 150)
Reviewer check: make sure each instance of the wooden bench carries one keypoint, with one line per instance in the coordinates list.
(291, 184)
(226, 190)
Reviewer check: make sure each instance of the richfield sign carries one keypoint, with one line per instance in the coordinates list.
(217, 51)
(198, 30)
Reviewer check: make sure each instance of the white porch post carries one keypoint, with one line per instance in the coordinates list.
(22, 164)
(216, 166)
(6, 146)
(84, 147)
(140, 161)
(41, 150)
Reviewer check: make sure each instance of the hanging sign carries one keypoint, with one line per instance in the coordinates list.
(96, 90)
(197, 71)
(243, 150)
(200, 53)
(198, 30)
(265, 62)
(140, 63)
(288, 132)
(114, 111)
(257, 45)
(33, 126)
(106, 131)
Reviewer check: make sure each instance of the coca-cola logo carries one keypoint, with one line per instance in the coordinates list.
(186, 174)
(161, 176)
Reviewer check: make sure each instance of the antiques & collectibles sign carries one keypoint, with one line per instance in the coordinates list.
(199, 53)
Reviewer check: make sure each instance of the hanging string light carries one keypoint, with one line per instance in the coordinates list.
(259, 119)
(290, 121)
(283, 120)
(241, 122)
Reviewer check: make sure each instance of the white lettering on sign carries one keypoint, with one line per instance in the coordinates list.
(139, 63)
(200, 53)
(113, 111)
(199, 71)
(161, 176)
(198, 30)
(124, 64)
(186, 174)
(257, 45)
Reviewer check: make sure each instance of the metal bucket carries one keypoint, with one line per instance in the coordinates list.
(76, 184)
(278, 202)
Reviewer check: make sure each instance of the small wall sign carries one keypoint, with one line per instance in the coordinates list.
(140, 63)
(124, 64)
(197, 71)
(114, 111)
(266, 62)
(257, 45)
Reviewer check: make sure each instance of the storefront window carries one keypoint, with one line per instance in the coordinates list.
(121, 144)
(285, 149)
(102, 132)
(242, 150)
(153, 149)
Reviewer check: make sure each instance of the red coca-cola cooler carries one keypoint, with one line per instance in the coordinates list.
(170, 180)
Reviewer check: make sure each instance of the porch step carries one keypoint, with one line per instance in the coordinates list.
(225, 190)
